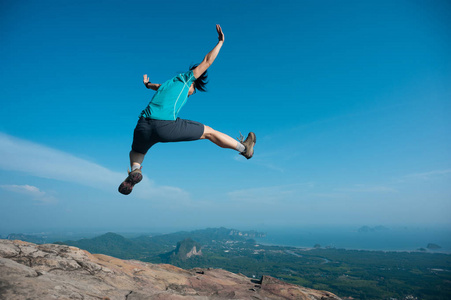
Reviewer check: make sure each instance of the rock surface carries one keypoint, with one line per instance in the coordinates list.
(30, 271)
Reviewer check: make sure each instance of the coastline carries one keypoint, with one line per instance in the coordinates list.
(401, 239)
(302, 248)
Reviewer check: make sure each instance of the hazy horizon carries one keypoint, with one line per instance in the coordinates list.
(260, 228)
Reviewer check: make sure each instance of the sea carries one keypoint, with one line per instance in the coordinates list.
(380, 238)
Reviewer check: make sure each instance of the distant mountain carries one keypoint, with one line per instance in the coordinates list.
(57, 236)
(109, 243)
(432, 246)
(27, 238)
(245, 234)
(185, 250)
(151, 247)
(203, 236)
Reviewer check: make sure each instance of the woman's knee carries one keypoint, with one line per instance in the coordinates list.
(208, 131)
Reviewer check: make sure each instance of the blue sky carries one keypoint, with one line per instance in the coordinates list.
(350, 101)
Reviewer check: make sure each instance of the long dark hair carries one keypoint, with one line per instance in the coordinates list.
(201, 82)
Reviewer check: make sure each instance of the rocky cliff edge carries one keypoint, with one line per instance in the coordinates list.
(30, 271)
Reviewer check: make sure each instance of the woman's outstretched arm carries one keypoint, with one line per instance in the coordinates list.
(211, 56)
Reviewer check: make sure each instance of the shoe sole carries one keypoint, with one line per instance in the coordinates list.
(251, 147)
(127, 185)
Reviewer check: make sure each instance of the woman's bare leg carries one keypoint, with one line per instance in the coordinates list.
(219, 138)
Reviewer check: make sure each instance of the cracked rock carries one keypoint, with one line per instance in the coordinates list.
(29, 271)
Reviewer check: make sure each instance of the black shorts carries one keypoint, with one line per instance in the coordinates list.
(148, 132)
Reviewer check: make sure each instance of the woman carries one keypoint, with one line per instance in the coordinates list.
(158, 122)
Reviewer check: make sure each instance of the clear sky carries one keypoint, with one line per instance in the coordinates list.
(350, 102)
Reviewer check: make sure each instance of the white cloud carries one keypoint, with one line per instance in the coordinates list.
(428, 175)
(24, 189)
(327, 195)
(30, 191)
(41, 161)
(363, 188)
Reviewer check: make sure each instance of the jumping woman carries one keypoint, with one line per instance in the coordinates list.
(158, 122)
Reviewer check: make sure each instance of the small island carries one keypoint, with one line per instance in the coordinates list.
(432, 246)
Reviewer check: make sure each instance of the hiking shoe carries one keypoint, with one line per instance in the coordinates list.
(133, 178)
(249, 144)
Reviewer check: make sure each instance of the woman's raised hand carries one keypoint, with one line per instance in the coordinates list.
(220, 34)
